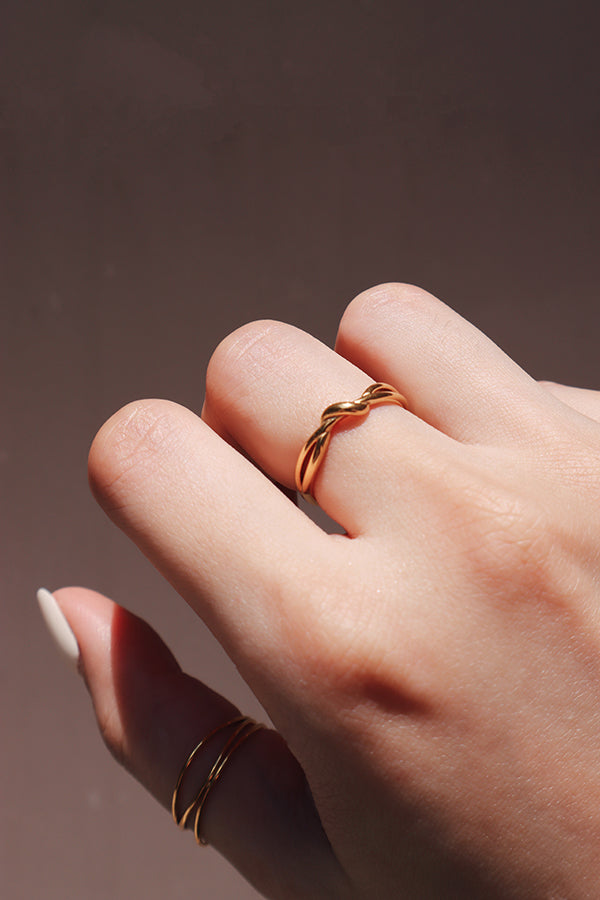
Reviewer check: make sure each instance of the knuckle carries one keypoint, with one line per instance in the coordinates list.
(396, 293)
(130, 445)
(316, 631)
(390, 305)
(257, 354)
(361, 668)
(509, 540)
(240, 348)
(347, 659)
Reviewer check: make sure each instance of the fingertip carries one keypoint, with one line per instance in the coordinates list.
(108, 634)
(84, 607)
(89, 615)
(59, 628)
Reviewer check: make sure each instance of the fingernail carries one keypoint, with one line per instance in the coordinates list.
(58, 627)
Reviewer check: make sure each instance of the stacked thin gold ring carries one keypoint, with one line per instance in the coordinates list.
(242, 727)
(313, 452)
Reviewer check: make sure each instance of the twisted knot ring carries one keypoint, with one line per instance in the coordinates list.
(313, 452)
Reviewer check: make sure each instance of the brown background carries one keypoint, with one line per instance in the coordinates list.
(171, 170)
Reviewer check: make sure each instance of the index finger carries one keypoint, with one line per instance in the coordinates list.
(226, 537)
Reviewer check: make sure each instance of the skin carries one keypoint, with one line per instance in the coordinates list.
(434, 673)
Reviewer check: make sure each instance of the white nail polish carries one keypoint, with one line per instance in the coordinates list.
(58, 627)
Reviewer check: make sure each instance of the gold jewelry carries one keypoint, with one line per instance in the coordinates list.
(313, 452)
(241, 734)
(181, 820)
(244, 728)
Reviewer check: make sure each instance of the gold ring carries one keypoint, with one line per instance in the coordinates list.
(244, 727)
(313, 452)
(241, 734)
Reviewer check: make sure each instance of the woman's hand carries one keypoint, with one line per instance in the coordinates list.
(435, 672)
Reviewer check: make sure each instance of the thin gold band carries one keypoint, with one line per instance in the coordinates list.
(244, 727)
(181, 820)
(313, 452)
(240, 735)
